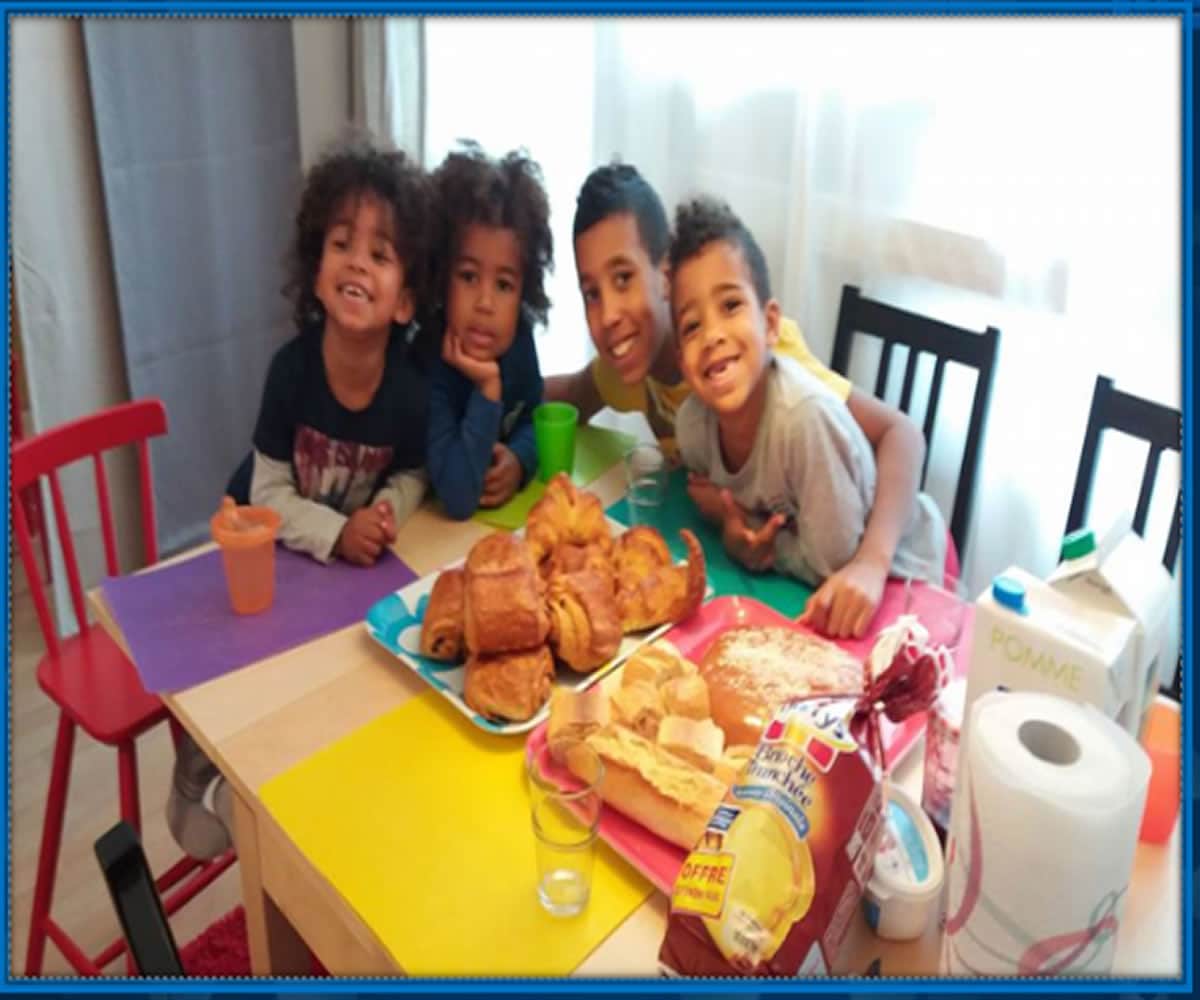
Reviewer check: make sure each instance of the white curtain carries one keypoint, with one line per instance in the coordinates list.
(1015, 172)
(1022, 173)
(388, 79)
(540, 100)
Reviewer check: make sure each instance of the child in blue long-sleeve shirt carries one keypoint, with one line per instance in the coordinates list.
(496, 250)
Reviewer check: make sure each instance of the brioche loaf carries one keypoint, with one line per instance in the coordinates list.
(752, 670)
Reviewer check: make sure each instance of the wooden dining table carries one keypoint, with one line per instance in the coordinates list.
(258, 722)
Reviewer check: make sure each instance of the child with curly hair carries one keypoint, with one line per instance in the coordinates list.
(495, 250)
(339, 446)
(793, 476)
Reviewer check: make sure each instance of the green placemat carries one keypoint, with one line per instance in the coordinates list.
(596, 451)
(786, 595)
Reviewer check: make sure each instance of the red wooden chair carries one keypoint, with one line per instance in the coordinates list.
(31, 500)
(92, 681)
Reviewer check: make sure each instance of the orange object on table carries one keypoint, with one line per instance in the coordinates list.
(1161, 741)
(246, 536)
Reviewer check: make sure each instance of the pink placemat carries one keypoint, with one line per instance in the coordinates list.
(179, 626)
(660, 860)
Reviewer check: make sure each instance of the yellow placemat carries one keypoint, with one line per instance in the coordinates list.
(421, 822)
(596, 451)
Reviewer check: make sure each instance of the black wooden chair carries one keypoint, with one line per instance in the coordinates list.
(1159, 426)
(947, 343)
(136, 900)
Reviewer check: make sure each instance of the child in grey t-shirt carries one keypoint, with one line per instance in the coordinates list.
(790, 475)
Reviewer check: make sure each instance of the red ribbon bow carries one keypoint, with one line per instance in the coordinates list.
(909, 684)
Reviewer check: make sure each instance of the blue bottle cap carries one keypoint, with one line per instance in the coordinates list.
(1009, 593)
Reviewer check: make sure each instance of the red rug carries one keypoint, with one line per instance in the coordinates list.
(221, 950)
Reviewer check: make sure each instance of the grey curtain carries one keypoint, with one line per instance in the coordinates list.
(196, 125)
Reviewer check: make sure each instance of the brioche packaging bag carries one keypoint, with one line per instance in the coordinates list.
(775, 879)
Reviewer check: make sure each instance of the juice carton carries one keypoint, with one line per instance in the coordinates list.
(1123, 576)
(1029, 636)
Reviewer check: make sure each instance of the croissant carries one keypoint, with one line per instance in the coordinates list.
(585, 628)
(566, 514)
(567, 557)
(650, 589)
(510, 686)
(442, 629)
(504, 607)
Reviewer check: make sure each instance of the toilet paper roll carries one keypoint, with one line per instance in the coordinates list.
(1042, 838)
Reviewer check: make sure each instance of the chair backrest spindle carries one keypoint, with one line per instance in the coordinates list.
(947, 343)
(106, 518)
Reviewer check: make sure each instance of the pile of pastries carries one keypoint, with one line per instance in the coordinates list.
(674, 735)
(566, 592)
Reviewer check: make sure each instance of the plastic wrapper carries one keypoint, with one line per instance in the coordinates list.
(771, 886)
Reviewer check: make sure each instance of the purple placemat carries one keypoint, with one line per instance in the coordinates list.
(181, 630)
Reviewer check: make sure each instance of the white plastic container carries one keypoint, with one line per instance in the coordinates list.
(906, 883)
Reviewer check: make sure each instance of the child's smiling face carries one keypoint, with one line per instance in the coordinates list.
(361, 280)
(483, 302)
(624, 296)
(724, 333)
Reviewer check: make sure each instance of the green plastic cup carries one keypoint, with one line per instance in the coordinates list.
(554, 431)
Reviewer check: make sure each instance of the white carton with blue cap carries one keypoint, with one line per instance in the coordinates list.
(1029, 636)
(1123, 575)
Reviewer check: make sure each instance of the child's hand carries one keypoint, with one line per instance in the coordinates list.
(706, 496)
(364, 535)
(845, 603)
(485, 374)
(502, 478)
(387, 520)
(753, 548)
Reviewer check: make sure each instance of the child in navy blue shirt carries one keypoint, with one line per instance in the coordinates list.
(496, 249)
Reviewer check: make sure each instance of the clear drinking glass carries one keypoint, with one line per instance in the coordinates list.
(565, 812)
(941, 609)
(646, 473)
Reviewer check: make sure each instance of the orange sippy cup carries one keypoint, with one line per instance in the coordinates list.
(1160, 739)
(246, 536)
